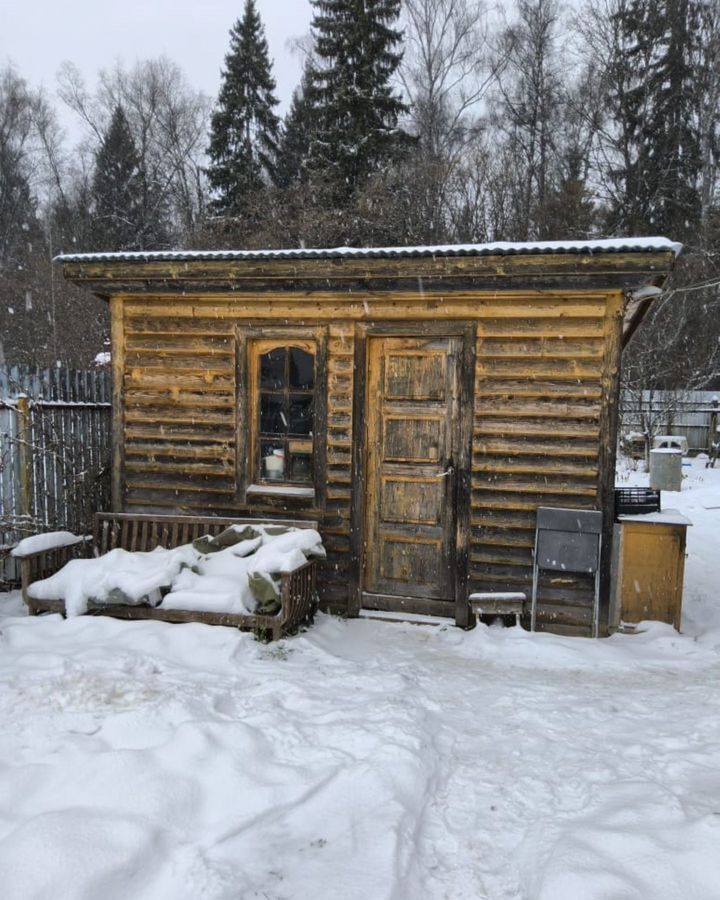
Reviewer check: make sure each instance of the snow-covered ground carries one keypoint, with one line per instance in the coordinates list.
(364, 759)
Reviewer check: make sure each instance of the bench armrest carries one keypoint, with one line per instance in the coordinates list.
(297, 597)
(44, 563)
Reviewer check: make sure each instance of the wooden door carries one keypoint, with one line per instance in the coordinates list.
(412, 426)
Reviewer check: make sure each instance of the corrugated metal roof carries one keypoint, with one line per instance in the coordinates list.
(501, 248)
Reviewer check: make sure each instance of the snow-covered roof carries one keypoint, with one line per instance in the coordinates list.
(500, 248)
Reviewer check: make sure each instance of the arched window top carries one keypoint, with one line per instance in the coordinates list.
(287, 367)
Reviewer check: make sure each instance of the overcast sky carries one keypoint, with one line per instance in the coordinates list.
(38, 35)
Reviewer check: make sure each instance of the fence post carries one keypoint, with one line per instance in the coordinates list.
(25, 455)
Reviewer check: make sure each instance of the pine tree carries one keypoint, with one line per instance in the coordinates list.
(296, 135)
(117, 190)
(654, 102)
(244, 126)
(358, 53)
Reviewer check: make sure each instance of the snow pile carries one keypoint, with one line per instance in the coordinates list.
(395, 761)
(366, 760)
(232, 573)
(51, 540)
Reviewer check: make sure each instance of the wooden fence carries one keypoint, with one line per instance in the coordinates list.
(670, 412)
(54, 452)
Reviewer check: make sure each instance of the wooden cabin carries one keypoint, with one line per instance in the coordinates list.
(419, 403)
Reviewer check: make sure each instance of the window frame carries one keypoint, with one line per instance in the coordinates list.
(256, 348)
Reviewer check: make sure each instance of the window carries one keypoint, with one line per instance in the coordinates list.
(282, 404)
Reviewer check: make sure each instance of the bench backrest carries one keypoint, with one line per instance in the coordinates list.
(143, 532)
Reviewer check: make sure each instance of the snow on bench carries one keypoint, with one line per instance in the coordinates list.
(499, 603)
(41, 543)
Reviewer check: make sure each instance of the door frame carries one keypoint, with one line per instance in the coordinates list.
(466, 376)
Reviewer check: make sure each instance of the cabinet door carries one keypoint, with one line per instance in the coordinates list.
(651, 573)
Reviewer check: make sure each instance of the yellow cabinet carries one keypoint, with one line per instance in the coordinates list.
(648, 568)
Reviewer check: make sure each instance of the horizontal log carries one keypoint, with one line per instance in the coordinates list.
(501, 519)
(189, 468)
(535, 389)
(339, 444)
(563, 448)
(196, 433)
(517, 501)
(541, 329)
(172, 489)
(335, 492)
(338, 475)
(340, 383)
(225, 452)
(537, 486)
(547, 410)
(531, 428)
(493, 556)
(186, 367)
(211, 380)
(511, 576)
(526, 466)
(179, 346)
(170, 415)
(337, 457)
(337, 546)
(341, 530)
(339, 418)
(539, 368)
(259, 307)
(187, 399)
(563, 630)
(341, 350)
(340, 365)
(341, 331)
(502, 537)
(556, 347)
(141, 323)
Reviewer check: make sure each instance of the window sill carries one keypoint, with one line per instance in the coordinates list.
(281, 490)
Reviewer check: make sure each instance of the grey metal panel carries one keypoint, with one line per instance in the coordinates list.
(567, 539)
(577, 521)
(563, 551)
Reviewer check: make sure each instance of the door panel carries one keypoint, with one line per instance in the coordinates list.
(412, 420)
(410, 376)
(410, 559)
(415, 499)
(411, 439)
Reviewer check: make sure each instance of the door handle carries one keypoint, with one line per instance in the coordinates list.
(449, 471)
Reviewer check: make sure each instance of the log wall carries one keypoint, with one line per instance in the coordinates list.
(545, 376)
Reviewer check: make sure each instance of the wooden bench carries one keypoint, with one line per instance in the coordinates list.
(132, 532)
(499, 604)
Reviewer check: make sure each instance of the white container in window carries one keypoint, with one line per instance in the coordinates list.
(275, 465)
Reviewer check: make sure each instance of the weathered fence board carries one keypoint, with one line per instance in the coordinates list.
(54, 451)
(670, 412)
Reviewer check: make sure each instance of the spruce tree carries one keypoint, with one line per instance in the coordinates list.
(654, 102)
(358, 52)
(244, 126)
(117, 190)
(296, 135)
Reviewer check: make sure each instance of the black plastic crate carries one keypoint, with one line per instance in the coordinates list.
(634, 501)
